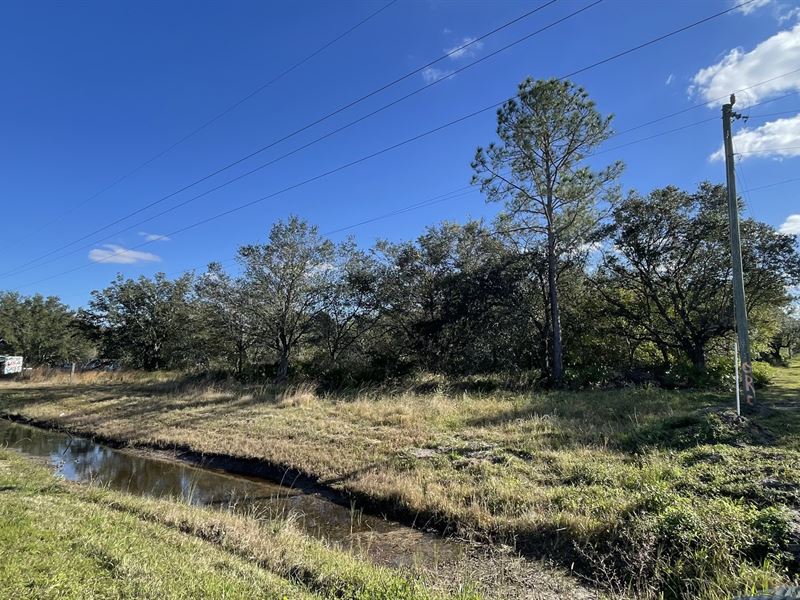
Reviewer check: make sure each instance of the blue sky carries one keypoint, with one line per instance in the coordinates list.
(91, 90)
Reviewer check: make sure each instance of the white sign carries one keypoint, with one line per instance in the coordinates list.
(10, 364)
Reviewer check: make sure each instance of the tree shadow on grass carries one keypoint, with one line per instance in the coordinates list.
(138, 410)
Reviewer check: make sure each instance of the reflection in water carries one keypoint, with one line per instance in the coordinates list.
(82, 460)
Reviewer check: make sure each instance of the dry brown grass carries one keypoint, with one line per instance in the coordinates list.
(53, 376)
(548, 471)
(122, 546)
(303, 394)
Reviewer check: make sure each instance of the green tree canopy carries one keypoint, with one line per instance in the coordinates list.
(286, 281)
(145, 322)
(537, 171)
(667, 275)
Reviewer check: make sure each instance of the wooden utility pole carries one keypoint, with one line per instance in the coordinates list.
(740, 309)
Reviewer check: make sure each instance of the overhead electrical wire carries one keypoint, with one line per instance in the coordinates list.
(313, 123)
(715, 100)
(738, 174)
(687, 126)
(411, 139)
(775, 184)
(452, 195)
(189, 200)
(773, 149)
(455, 194)
(21, 268)
(221, 114)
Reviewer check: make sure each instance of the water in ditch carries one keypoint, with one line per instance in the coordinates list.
(135, 472)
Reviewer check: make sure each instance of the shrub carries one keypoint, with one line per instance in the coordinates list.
(668, 546)
(687, 430)
(763, 373)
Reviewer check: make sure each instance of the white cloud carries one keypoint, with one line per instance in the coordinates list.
(459, 51)
(789, 16)
(154, 237)
(111, 253)
(753, 6)
(778, 139)
(670, 79)
(431, 74)
(791, 225)
(447, 30)
(737, 70)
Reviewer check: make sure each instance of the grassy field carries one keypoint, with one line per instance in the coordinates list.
(643, 491)
(60, 540)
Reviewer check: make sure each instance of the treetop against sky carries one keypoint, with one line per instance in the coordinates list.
(94, 91)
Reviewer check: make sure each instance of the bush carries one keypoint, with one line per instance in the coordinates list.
(685, 431)
(592, 376)
(763, 373)
(668, 546)
(685, 375)
(719, 373)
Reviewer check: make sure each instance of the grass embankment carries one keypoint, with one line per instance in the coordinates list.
(644, 490)
(60, 540)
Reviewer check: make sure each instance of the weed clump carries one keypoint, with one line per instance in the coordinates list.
(684, 431)
(668, 546)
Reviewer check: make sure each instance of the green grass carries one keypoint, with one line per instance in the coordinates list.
(644, 491)
(60, 540)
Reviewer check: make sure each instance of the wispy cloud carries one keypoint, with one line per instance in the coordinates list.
(431, 74)
(111, 253)
(751, 7)
(791, 225)
(154, 237)
(467, 48)
(769, 60)
(776, 139)
(790, 15)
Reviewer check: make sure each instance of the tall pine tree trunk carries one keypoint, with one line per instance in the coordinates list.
(555, 318)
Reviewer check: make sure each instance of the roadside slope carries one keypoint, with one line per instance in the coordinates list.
(644, 490)
(60, 540)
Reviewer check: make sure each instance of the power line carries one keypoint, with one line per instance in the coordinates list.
(688, 126)
(221, 114)
(455, 194)
(739, 168)
(770, 185)
(464, 191)
(21, 268)
(658, 39)
(407, 141)
(655, 135)
(710, 102)
(322, 119)
(793, 111)
(738, 172)
(774, 149)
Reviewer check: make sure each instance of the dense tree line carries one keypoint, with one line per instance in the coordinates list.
(43, 330)
(573, 282)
